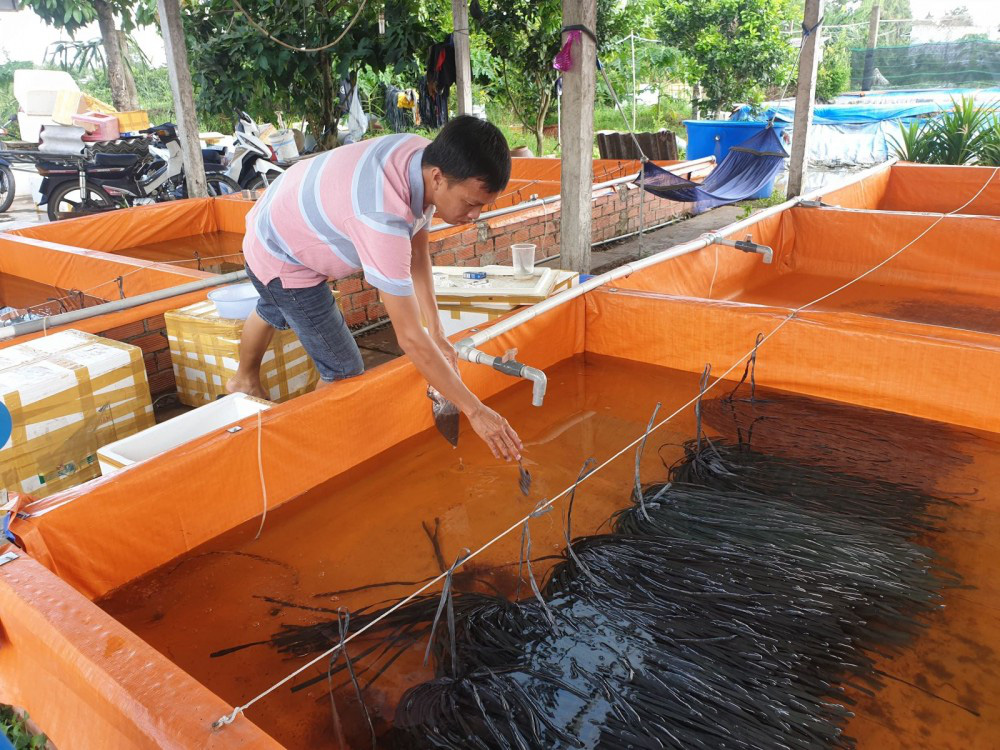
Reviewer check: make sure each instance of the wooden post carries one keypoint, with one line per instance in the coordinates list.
(868, 78)
(578, 140)
(172, 29)
(463, 62)
(805, 96)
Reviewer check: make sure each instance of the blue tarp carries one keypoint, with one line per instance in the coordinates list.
(875, 107)
(746, 169)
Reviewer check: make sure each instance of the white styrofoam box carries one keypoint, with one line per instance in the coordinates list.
(36, 90)
(175, 432)
(456, 318)
(31, 126)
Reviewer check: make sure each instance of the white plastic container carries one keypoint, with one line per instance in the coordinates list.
(236, 301)
(175, 432)
(31, 126)
(283, 142)
(37, 90)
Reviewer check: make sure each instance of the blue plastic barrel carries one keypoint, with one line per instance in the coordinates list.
(716, 137)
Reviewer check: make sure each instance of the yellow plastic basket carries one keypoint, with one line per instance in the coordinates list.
(129, 122)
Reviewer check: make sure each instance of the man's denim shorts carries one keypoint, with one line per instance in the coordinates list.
(314, 316)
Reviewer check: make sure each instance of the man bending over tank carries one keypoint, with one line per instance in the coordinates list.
(368, 207)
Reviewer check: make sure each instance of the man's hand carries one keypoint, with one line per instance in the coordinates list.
(496, 433)
(437, 361)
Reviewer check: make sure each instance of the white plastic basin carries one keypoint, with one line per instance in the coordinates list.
(236, 301)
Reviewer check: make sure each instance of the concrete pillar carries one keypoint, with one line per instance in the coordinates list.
(180, 83)
(578, 139)
(805, 96)
(463, 62)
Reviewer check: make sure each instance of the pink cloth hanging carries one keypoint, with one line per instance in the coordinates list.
(564, 60)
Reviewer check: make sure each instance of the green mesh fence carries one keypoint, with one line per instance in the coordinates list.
(968, 63)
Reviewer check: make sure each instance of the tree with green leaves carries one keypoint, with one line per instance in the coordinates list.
(854, 15)
(524, 36)
(71, 15)
(734, 49)
(236, 66)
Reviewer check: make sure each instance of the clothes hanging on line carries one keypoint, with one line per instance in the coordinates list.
(433, 106)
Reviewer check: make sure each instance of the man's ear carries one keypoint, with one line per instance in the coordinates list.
(437, 177)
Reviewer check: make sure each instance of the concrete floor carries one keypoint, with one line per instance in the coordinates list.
(606, 257)
(22, 213)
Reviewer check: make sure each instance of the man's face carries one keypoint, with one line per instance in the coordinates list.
(460, 201)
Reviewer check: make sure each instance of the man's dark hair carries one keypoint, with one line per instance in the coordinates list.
(470, 148)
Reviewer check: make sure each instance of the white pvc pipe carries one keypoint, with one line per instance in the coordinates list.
(53, 321)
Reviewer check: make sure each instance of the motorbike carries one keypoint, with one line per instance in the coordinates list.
(99, 182)
(252, 162)
(6, 173)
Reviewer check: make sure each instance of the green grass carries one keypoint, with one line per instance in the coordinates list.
(15, 727)
(751, 207)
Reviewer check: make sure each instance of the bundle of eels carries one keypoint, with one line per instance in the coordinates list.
(735, 605)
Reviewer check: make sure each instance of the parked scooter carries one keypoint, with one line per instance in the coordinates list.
(252, 162)
(6, 173)
(104, 182)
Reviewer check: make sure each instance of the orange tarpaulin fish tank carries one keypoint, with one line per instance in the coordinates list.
(874, 344)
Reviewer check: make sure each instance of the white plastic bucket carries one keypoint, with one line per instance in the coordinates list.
(235, 302)
(283, 142)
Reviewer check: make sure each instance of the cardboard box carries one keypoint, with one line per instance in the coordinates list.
(68, 394)
(205, 350)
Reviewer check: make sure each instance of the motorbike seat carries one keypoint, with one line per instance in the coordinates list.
(120, 161)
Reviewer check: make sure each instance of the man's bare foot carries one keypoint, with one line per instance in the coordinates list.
(239, 385)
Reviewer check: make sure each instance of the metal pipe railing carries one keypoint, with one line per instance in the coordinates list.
(53, 321)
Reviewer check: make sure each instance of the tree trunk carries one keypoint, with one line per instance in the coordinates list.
(543, 110)
(329, 124)
(121, 97)
(133, 92)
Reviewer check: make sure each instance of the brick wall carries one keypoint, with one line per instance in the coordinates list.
(488, 243)
(150, 335)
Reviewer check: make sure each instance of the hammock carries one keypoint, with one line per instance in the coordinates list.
(747, 169)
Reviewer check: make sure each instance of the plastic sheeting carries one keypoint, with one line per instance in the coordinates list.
(874, 107)
(862, 129)
(92, 683)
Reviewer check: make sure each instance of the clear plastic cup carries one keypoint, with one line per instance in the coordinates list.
(523, 255)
